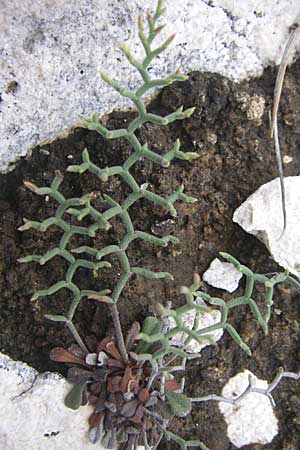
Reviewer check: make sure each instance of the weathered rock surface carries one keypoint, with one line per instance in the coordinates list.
(222, 275)
(51, 53)
(261, 215)
(252, 420)
(32, 411)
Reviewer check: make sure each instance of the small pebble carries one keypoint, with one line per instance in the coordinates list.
(91, 359)
(43, 151)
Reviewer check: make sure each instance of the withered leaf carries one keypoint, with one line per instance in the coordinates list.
(172, 385)
(113, 351)
(59, 354)
(102, 344)
(143, 395)
(100, 405)
(77, 351)
(111, 362)
(113, 384)
(95, 434)
(125, 380)
(94, 420)
(129, 408)
(137, 417)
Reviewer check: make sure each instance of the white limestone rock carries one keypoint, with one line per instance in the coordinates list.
(261, 216)
(51, 53)
(222, 275)
(33, 414)
(206, 319)
(252, 419)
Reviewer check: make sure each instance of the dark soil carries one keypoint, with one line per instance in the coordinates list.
(236, 157)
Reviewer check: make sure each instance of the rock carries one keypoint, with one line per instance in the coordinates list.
(252, 419)
(32, 411)
(206, 319)
(52, 53)
(222, 275)
(261, 216)
(33, 414)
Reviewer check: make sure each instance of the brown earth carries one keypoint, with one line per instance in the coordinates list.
(236, 157)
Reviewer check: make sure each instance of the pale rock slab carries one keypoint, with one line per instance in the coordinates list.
(206, 319)
(261, 215)
(32, 412)
(51, 52)
(222, 275)
(252, 419)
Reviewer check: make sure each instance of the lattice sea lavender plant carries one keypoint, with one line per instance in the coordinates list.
(129, 380)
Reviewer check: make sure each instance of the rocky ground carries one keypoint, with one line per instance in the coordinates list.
(230, 131)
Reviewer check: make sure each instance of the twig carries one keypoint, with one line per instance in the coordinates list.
(281, 72)
(274, 125)
(281, 175)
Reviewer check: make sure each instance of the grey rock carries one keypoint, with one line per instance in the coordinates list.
(33, 414)
(261, 215)
(51, 53)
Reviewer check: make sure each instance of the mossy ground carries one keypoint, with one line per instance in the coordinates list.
(236, 157)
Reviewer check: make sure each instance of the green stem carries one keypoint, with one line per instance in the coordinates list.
(77, 337)
(119, 333)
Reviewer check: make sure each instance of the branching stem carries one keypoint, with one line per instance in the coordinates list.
(77, 337)
(251, 389)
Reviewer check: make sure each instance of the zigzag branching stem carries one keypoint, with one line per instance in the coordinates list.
(251, 389)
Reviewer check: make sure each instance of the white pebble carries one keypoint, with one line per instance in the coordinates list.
(222, 275)
(91, 359)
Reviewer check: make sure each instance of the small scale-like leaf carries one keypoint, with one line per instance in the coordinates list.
(179, 404)
(172, 385)
(101, 298)
(56, 318)
(74, 398)
(132, 334)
